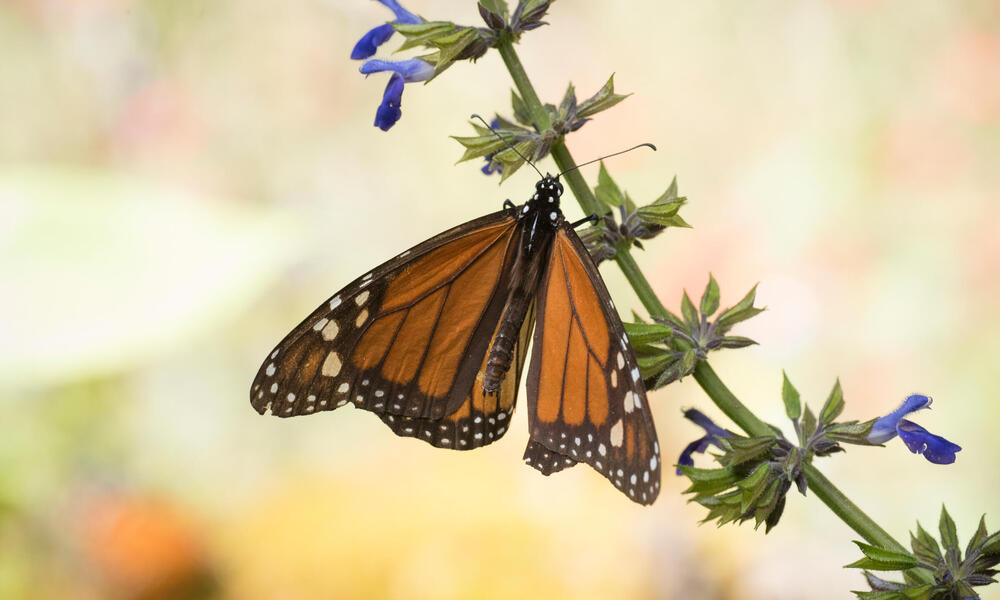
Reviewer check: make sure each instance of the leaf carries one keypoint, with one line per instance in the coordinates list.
(851, 432)
(568, 103)
(790, 396)
(604, 99)
(421, 34)
(689, 312)
(925, 547)
(498, 8)
(607, 191)
(949, 534)
(743, 310)
(880, 559)
(833, 406)
(977, 538)
(521, 112)
(641, 334)
(452, 45)
(710, 297)
(736, 341)
(808, 424)
(740, 450)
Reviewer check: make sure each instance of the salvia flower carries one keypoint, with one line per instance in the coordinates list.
(377, 36)
(713, 434)
(935, 448)
(403, 71)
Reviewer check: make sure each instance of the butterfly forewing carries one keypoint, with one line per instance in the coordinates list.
(406, 339)
(585, 399)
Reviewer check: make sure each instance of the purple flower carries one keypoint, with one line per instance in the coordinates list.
(711, 438)
(935, 448)
(377, 36)
(403, 71)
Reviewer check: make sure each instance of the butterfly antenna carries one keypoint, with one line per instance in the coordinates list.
(648, 145)
(509, 145)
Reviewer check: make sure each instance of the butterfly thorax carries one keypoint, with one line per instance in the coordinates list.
(538, 220)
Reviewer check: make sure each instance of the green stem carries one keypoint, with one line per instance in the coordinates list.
(840, 504)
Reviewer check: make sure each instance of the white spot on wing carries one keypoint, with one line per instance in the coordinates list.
(330, 331)
(361, 298)
(629, 401)
(332, 365)
(361, 317)
(617, 434)
(614, 379)
(635, 373)
(321, 324)
(621, 361)
(270, 370)
(334, 302)
(344, 387)
(602, 449)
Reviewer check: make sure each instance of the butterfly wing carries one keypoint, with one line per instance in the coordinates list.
(586, 401)
(482, 418)
(405, 341)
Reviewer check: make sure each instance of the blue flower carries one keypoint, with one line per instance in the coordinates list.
(377, 36)
(935, 448)
(711, 438)
(403, 71)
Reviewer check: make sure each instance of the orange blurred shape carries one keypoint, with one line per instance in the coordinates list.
(142, 549)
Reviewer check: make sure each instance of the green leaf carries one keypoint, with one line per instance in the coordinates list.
(641, 334)
(604, 99)
(452, 45)
(790, 396)
(690, 313)
(949, 535)
(880, 559)
(478, 145)
(607, 191)
(740, 450)
(851, 432)
(496, 6)
(833, 406)
(521, 112)
(736, 341)
(743, 310)
(925, 547)
(421, 34)
(710, 297)
(652, 365)
(568, 103)
(977, 538)
(808, 424)
(663, 215)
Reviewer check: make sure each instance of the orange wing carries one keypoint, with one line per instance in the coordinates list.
(406, 341)
(586, 401)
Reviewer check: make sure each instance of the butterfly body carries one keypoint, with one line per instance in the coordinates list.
(435, 340)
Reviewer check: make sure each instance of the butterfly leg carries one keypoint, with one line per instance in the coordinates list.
(591, 218)
(508, 204)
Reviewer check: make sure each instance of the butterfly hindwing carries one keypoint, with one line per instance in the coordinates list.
(482, 418)
(586, 400)
(403, 340)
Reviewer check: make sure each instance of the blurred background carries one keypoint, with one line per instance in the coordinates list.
(182, 181)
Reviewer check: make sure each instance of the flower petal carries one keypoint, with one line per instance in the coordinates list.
(402, 15)
(412, 69)
(699, 445)
(711, 437)
(370, 41)
(935, 448)
(698, 418)
(389, 110)
(884, 428)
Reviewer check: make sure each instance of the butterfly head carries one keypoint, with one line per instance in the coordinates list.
(547, 193)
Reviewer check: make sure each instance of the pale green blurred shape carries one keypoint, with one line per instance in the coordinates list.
(181, 182)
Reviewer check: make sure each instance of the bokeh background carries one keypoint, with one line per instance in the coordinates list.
(182, 181)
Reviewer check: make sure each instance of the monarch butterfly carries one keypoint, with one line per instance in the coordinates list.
(425, 341)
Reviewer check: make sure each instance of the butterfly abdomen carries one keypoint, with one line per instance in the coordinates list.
(502, 351)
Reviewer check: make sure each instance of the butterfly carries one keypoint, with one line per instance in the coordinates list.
(434, 342)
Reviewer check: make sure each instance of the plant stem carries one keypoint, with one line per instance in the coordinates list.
(706, 377)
